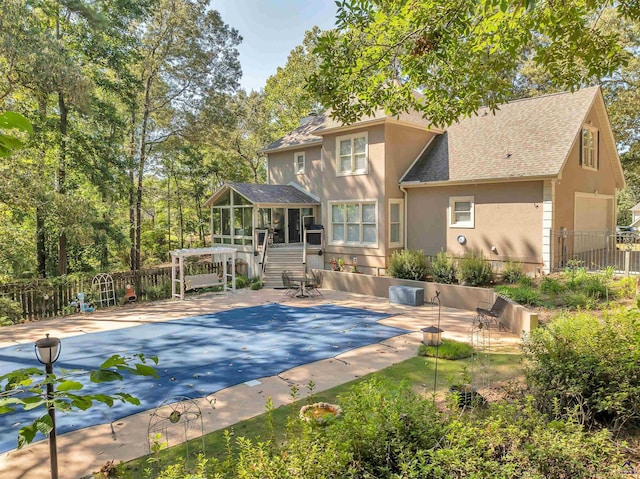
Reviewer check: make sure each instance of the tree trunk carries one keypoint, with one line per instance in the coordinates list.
(198, 199)
(132, 207)
(62, 173)
(141, 164)
(41, 251)
(180, 215)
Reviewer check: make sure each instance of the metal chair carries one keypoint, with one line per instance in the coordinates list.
(313, 286)
(290, 289)
(487, 317)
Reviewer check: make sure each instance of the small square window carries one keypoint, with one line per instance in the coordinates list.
(299, 162)
(461, 212)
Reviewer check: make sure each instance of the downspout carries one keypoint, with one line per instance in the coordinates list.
(404, 219)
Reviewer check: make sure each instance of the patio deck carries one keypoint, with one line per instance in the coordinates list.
(86, 450)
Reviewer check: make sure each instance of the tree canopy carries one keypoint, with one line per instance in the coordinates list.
(459, 54)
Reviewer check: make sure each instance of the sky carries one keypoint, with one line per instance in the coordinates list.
(270, 30)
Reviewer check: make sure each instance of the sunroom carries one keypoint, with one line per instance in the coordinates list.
(242, 213)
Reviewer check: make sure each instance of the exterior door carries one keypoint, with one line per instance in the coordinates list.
(294, 225)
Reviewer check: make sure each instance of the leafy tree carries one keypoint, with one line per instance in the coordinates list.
(21, 389)
(286, 97)
(460, 55)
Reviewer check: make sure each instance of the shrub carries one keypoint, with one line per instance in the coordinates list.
(512, 271)
(241, 282)
(624, 287)
(578, 300)
(256, 285)
(10, 311)
(154, 293)
(551, 286)
(448, 349)
(521, 294)
(443, 269)
(473, 269)
(408, 264)
(588, 364)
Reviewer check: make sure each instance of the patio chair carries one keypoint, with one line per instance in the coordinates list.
(487, 317)
(290, 288)
(314, 284)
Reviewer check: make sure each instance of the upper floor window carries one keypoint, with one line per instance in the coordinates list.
(461, 212)
(354, 223)
(299, 162)
(352, 152)
(589, 151)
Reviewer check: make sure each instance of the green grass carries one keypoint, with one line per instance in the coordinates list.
(417, 371)
(448, 349)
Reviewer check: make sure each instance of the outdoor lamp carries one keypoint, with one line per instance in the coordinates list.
(47, 352)
(431, 336)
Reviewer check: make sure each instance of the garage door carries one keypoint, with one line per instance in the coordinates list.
(592, 214)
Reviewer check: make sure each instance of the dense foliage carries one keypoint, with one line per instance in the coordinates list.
(387, 431)
(408, 264)
(588, 366)
(473, 269)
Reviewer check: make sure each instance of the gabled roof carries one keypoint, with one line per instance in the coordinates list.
(523, 139)
(265, 194)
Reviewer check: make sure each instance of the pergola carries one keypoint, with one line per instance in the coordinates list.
(201, 280)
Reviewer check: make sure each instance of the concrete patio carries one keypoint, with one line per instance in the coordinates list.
(86, 450)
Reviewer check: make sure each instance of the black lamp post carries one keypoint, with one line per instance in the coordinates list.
(47, 352)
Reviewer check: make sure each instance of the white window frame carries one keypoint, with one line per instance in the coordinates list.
(353, 170)
(452, 208)
(400, 243)
(592, 164)
(296, 166)
(331, 204)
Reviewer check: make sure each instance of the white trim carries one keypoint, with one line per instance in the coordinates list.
(353, 171)
(296, 166)
(330, 205)
(594, 131)
(547, 225)
(427, 184)
(400, 242)
(451, 211)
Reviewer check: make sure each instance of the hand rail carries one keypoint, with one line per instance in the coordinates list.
(265, 245)
(304, 249)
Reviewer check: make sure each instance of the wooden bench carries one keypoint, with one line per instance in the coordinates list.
(198, 281)
(406, 295)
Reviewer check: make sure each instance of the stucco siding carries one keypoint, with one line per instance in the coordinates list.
(574, 178)
(282, 169)
(506, 215)
(402, 145)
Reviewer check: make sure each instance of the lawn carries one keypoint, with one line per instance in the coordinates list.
(418, 371)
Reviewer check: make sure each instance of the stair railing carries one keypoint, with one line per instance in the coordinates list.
(264, 247)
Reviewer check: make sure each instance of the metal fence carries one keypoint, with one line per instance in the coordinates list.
(45, 298)
(596, 250)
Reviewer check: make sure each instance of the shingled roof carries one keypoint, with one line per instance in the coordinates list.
(311, 133)
(524, 138)
(266, 194)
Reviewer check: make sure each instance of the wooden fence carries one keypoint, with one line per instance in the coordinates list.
(46, 298)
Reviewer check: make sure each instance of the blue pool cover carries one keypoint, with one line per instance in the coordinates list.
(198, 355)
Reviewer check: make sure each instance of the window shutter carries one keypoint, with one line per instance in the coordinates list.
(598, 151)
(581, 146)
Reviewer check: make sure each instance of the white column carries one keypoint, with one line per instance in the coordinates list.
(181, 277)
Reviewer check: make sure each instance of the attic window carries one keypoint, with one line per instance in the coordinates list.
(352, 152)
(299, 162)
(589, 148)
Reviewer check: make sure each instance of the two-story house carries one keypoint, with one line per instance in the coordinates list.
(500, 183)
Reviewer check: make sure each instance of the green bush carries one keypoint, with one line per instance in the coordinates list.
(241, 282)
(154, 293)
(408, 264)
(256, 285)
(473, 269)
(589, 365)
(512, 271)
(10, 311)
(443, 269)
(448, 349)
(578, 300)
(551, 286)
(624, 287)
(521, 294)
